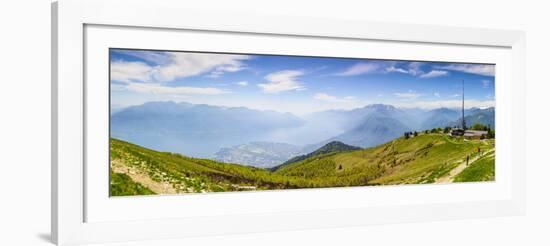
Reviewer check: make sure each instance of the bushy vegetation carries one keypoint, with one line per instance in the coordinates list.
(480, 127)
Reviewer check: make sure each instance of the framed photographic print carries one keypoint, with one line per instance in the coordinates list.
(193, 122)
(172, 125)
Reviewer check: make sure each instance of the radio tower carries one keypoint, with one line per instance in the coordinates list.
(463, 120)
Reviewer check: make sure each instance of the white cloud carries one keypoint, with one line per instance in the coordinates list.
(480, 69)
(437, 94)
(407, 95)
(167, 90)
(215, 74)
(130, 71)
(326, 97)
(360, 68)
(414, 68)
(141, 77)
(392, 69)
(411, 68)
(191, 64)
(282, 81)
(173, 65)
(455, 95)
(156, 57)
(446, 104)
(242, 83)
(434, 73)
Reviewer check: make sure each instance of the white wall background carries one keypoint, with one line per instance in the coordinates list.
(25, 122)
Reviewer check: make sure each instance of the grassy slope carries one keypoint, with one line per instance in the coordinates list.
(123, 185)
(332, 147)
(192, 175)
(416, 160)
(480, 170)
(420, 159)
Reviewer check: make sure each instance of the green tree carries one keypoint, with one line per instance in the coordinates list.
(479, 127)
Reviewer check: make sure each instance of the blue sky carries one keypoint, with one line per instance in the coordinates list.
(299, 85)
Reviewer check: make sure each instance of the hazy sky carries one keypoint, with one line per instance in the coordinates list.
(299, 85)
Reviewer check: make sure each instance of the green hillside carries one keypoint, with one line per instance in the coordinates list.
(332, 147)
(480, 170)
(427, 158)
(123, 185)
(421, 159)
(165, 173)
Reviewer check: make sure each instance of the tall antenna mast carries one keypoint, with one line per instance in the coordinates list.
(463, 120)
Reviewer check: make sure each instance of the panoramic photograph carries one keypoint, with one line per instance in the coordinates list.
(185, 122)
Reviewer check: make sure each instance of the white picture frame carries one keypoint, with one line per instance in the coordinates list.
(82, 214)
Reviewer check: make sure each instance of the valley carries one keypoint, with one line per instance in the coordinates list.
(265, 139)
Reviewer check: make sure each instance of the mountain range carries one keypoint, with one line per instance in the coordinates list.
(196, 129)
(267, 138)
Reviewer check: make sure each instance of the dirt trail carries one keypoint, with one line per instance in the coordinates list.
(143, 178)
(452, 174)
